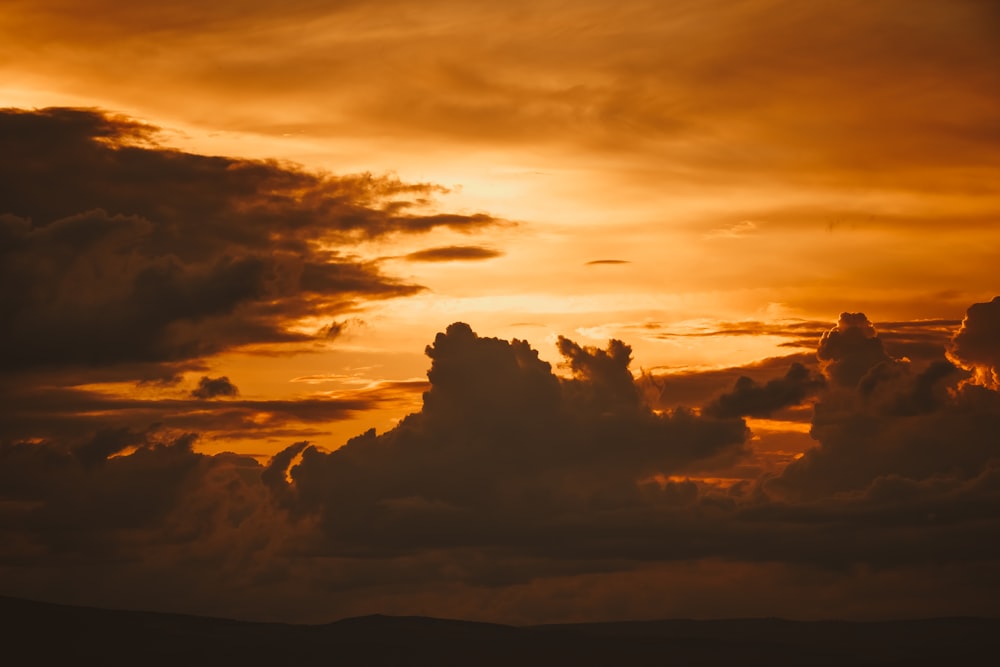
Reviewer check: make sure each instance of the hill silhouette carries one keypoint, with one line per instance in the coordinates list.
(43, 633)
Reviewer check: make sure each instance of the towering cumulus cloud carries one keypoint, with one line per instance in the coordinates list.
(889, 425)
(503, 453)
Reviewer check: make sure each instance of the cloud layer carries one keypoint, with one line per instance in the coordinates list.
(515, 486)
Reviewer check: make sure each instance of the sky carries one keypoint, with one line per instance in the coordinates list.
(520, 312)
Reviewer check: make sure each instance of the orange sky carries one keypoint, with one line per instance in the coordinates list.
(711, 182)
(749, 161)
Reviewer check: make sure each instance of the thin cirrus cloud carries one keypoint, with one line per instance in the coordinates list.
(511, 481)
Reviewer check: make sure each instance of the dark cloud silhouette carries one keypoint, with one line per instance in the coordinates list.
(750, 399)
(70, 414)
(887, 419)
(214, 388)
(598, 262)
(602, 379)
(512, 484)
(78, 500)
(114, 249)
(453, 253)
(500, 448)
(106, 443)
(701, 387)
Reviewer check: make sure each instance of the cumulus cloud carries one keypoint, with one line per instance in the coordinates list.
(889, 418)
(851, 349)
(114, 249)
(975, 344)
(501, 448)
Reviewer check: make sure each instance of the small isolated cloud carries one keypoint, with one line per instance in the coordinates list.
(214, 388)
(453, 253)
(598, 262)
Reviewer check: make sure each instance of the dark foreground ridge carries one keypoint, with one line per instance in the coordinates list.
(42, 633)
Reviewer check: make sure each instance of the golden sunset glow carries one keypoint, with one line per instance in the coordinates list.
(476, 298)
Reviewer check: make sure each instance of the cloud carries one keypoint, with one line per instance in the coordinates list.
(83, 497)
(72, 414)
(851, 349)
(750, 399)
(508, 483)
(454, 253)
(711, 113)
(916, 339)
(214, 387)
(808, 331)
(886, 418)
(500, 449)
(599, 262)
(116, 250)
(699, 387)
(602, 379)
(974, 345)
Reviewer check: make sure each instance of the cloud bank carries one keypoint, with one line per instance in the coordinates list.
(514, 488)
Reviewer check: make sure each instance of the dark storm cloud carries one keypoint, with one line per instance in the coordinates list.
(453, 253)
(750, 399)
(214, 387)
(114, 249)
